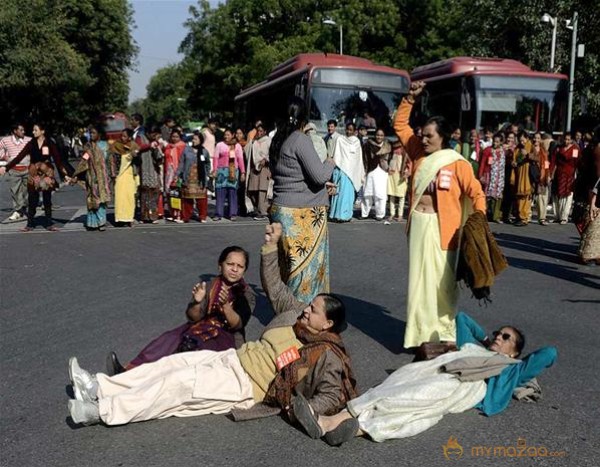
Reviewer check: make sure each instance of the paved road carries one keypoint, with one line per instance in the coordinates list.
(84, 293)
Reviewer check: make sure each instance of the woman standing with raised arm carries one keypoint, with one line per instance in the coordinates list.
(444, 190)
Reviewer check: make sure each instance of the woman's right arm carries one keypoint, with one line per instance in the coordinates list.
(402, 128)
(318, 172)
(197, 307)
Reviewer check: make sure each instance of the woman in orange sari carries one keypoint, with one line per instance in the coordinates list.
(523, 185)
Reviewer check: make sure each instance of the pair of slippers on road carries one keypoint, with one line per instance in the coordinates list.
(343, 433)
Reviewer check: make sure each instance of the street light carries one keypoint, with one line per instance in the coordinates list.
(546, 18)
(331, 22)
(572, 24)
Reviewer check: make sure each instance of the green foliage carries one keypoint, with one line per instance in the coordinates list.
(167, 96)
(64, 61)
(499, 28)
(235, 44)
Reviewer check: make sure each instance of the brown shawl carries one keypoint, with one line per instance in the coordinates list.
(314, 345)
(480, 257)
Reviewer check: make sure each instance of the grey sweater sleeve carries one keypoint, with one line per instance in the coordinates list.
(318, 172)
(277, 292)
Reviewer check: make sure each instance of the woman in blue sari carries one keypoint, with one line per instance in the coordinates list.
(348, 176)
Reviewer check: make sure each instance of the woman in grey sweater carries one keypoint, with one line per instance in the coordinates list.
(300, 200)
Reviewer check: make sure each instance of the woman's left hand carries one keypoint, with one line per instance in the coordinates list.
(242, 178)
(331, 188)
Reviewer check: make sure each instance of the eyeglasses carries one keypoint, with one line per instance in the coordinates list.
(505, 336)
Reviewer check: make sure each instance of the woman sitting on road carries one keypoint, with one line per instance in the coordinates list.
(483, 374)
(217, 316)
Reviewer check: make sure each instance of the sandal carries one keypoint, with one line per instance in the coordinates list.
(306, 417)
(27, 228)
(52, 228)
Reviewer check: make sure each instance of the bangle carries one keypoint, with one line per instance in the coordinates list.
(410, 99)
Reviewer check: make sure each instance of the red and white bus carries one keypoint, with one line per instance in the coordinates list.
(335, 87)
(490, 92)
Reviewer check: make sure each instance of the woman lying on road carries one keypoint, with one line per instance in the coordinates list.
(217, 316)
(483, 374)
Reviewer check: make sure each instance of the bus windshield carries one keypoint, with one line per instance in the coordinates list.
(503, 100)
(369, 107)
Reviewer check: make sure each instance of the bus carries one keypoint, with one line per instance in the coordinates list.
(335, 87)
(476, 93)
(114, 124)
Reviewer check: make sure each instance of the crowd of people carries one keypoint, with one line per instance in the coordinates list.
(300, 367)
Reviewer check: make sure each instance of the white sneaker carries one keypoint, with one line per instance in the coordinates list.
(85, 385)
(84, 412)
(16, 216)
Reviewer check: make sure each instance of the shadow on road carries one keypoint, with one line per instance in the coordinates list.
(560, 271)
(376, 322)
(561, 251)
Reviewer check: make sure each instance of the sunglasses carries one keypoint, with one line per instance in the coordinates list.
(505, 336)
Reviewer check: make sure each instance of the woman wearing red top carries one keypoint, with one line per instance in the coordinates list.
(173, 153)
(43, 156)
(565, 164)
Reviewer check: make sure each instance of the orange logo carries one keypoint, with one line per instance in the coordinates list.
(452, 450)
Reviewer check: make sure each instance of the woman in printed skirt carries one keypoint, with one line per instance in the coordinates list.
(193, 171)
(229, 170)
(173, 152)
(300, 202)
(44, 155)
(97, 185)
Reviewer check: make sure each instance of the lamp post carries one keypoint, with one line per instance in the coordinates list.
(331, 22)
(572, 24)
(546, 18)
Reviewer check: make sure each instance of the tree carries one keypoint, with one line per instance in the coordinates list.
(167, 94)
(497, 28)
(236, 44)
(65, 61)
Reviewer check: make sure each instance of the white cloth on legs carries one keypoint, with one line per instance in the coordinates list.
(181, 385)
(562, 207)
(416, 396)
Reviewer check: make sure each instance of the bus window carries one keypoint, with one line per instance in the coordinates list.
(442, 98)
(510, 99)
(359, 106)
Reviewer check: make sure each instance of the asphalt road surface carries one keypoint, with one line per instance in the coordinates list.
(85, 293)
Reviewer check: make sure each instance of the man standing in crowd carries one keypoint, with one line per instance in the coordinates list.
(259, 174)
(167, 128)
(137, 121)
(10, 147)
(331, 136)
